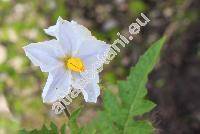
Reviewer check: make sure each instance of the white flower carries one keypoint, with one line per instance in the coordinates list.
(69, 59)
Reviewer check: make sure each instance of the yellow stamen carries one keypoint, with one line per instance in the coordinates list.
(74, 64)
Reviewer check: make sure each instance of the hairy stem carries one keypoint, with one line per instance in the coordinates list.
(67, 113)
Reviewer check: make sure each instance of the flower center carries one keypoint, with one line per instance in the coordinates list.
(74, 64)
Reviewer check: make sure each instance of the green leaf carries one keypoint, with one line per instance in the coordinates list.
(43, 130)
(138, 75)
(23, 131)
(74, 129)
(117, 116)
(54, 129)
(133, 90)
(63, 129)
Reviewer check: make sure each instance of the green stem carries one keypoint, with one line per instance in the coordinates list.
(67, 113)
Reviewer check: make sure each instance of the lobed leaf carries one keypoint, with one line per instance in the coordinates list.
(133, 90)
(117, 117)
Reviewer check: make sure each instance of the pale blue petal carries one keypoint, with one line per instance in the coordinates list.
(93, 53)
(45, 54)
(53, 30)
(57, 86)
(91, 92)
(70, 35)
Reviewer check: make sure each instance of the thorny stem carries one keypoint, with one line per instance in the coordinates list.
(67, 113)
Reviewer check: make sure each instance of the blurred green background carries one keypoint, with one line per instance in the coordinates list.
(173, 85)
